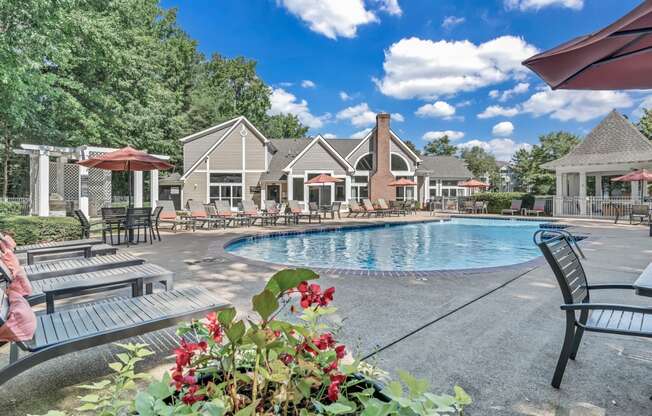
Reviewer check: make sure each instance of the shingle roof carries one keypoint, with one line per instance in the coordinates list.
(443, 167)
(614, 140)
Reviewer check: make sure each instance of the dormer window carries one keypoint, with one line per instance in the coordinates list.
(398, 164)
(366, 163)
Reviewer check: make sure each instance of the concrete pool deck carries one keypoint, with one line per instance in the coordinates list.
(497, 333)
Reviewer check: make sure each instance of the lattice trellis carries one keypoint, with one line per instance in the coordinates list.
(71, 181)
(99, 186)
(53, 178)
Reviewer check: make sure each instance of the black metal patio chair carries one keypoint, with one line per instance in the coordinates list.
(581, 314)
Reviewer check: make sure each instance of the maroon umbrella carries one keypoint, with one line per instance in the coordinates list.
(614, 58)
(126, 159)
(637, 175)
(473, 183)
(321, 180)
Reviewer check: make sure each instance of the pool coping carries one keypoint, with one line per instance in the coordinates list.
(521, 267)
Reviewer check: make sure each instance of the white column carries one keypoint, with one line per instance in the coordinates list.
(290, 190)
(263, 195)
(559, 193)
(153, 188)
(583, 193)
(61, 169)
(636, 193)
(426, 191)
(347, 188)
(598, 186)
(33, 187)
(83, 193)
(43, 185)
(138, 189)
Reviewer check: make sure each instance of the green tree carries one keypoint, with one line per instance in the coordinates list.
(283, 126)
(479, 161)
(440, 147)
(645, 123)
(412, 146)
(526, 164)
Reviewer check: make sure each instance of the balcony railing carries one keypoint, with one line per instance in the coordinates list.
(595, 207)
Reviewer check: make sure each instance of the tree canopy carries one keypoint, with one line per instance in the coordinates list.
(114, 73)
(526, 164)
(645, 123)
(440, 147)
(479, 161)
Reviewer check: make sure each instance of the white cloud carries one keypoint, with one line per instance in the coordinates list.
(306, 83)
(498, 111)
(539, 4)
(520, 88)
(502, 149)
(344, 96)
(284, 102)
(390, 6)
(452, 135)
(361, 134)
(328, 136)
(439, 109)
(398, 117)
(451, 21)
(359, 115)
(503, 129)
(581, 106)
(333, 18)
(421, 68)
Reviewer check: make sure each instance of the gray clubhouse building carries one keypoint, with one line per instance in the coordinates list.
(233, 161)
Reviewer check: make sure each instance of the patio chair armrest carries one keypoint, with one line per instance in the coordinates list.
(611, 286)
(80, 288)
(606, 306)
(32, 254)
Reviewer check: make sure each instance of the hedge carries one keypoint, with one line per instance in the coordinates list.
(30, 230)
(503, 200)
(10, 208)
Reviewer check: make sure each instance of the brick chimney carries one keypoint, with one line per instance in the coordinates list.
(381, 175)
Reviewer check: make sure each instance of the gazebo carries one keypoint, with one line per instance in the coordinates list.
(55, 179)
(583, 177)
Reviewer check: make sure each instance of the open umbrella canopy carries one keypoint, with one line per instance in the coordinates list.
(473, 183)
(322, 179)
(126, 159)
(638, 175)
(402, 182)
(616, 57)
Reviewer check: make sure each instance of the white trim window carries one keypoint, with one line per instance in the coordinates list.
(360, 187)
(226, 186)
(450, 188)
(406, 193)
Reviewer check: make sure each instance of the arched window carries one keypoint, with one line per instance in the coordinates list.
(366, 162)
(398, 163)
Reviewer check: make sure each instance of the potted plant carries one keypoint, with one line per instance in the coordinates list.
(264, 366)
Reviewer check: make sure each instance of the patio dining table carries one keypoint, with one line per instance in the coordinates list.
(643, 285)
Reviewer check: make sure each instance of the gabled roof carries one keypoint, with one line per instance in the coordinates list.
(394, 136)
(319, 140)
(614, 140)
(225, 129)
(446, 167)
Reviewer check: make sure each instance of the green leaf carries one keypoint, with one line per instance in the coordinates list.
(226, 316)
(461, 396)
(289, 279)
(235, 332)
(394, 390)
(415, 386)
(214, 408)
(100, 385)
(249, 410)
(338, 408)
(87, 407)
(117, 367)
(265, 303)
(90, 398)
(144, 403)
(374, 407)
(160, 389)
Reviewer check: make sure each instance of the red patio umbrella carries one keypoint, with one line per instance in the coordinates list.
(126, 159)
(616, 57)
(321, 180)
(637, 175)
(473, 183)
(402, 182)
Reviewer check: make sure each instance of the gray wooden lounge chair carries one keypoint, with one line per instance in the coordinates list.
(168, 215)
(640, 212)
(538, 208)
(297, 212)
(370, 209)
(224, 211)
(80, 265)
(575, 289)
(199, 215)
(514, 209)
(54, 244)
(355, 209)
(277, 211)
(59, 253)
(397, 207)
(249, 210)
(104, 322)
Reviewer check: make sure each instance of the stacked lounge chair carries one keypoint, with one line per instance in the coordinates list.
(514, 209)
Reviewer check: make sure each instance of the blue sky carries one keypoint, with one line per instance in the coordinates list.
(436, 65)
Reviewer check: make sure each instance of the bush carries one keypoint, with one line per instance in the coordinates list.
(31, 230)
(9, 208)
(499, 201)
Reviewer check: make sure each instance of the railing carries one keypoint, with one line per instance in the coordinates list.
(596, 207)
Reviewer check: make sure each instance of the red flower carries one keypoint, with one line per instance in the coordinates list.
(340, 351)
(334, 388)
(324, 342)
(286, 358)
(332, 366)
(190, 398)
(213, 326)
(312, 295)
(327, 297)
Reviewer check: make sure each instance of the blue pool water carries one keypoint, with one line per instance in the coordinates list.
(458, 244)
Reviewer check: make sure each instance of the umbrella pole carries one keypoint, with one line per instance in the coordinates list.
(129, 184)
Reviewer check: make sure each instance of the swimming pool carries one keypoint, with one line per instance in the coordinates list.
(461, 243)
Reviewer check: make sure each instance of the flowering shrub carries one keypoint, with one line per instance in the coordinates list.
(229, 366)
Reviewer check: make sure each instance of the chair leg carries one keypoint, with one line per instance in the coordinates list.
(578, 334)
(566, 350)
